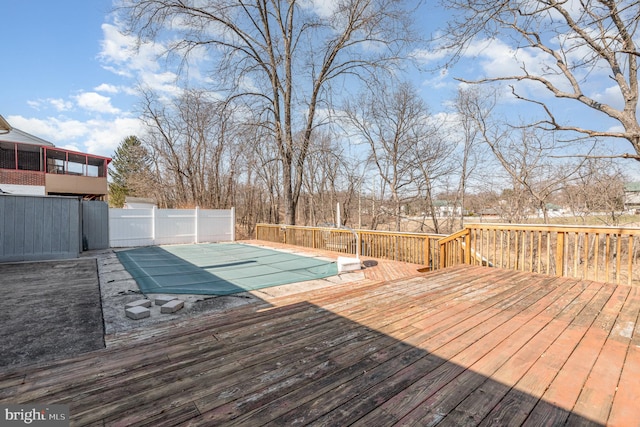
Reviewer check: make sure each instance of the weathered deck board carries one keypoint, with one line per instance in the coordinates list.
(462, 346)
(511, 356)
(516, 406)
(624, 409)
(482, 358)
(568, 383)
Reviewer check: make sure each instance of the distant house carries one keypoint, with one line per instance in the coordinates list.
(446, 209)
(139, 203)
(632, 197)
(31, 165)
(553, 211)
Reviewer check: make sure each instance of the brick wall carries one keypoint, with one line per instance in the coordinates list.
(20, 177)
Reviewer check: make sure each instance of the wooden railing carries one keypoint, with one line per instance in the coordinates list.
(416, 248)
(604, 254)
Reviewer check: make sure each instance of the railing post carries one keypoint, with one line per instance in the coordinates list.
(560, 254)
(233, 223)
(467, 247)
(196, 225)
(425, 251)
(153, 224)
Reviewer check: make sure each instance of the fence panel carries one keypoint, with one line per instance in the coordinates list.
(95, 225)
(145, 227)
(131, 227)
(175, 226)
(216, 225)
(39, 227)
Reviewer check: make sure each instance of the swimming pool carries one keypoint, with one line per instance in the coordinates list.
(218, 268)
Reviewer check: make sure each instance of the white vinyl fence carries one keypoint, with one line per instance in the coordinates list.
(145, 227)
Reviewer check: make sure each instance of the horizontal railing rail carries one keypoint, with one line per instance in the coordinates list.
(605, 254)
(415, 248)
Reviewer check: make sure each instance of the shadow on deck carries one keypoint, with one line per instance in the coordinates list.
(461, 346)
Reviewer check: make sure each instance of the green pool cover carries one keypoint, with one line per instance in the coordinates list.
(218, 269)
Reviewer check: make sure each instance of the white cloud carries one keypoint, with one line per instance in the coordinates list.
(616, 128)
(426, 56)
(105, 87)
(118, 49)
(36, 105)
(121, 55)
(323, 8)
(61, 104)
(71, 147)
(497, 58)
(37, 127)
(94, 136)
(610, 96)
(493, 58)
(96, 120)
(52, 129)
(105, 136)
(439, 81)
(93, 101)
(58, 104)
(164, 83)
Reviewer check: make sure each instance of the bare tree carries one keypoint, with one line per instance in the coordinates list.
(255, 194)
(194, 145)
(320, 180)
(434, 163)
(525, 154)
(396, 134)
(265, 171)
(466, 105)
(281, 57)
(575, 43)
(330, 178)
(597, 190)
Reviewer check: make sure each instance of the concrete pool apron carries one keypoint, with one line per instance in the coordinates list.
(218, 268)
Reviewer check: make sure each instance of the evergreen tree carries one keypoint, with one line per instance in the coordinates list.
(129, 167)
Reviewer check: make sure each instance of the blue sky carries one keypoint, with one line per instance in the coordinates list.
(56, 81)
(68, 75)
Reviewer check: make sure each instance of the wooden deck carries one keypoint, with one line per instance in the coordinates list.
(460, 346)
(375, 268)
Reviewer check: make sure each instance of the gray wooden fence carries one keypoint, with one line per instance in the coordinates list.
(42, 227)
(95, 225)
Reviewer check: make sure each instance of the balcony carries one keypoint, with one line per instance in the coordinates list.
(61, 172)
